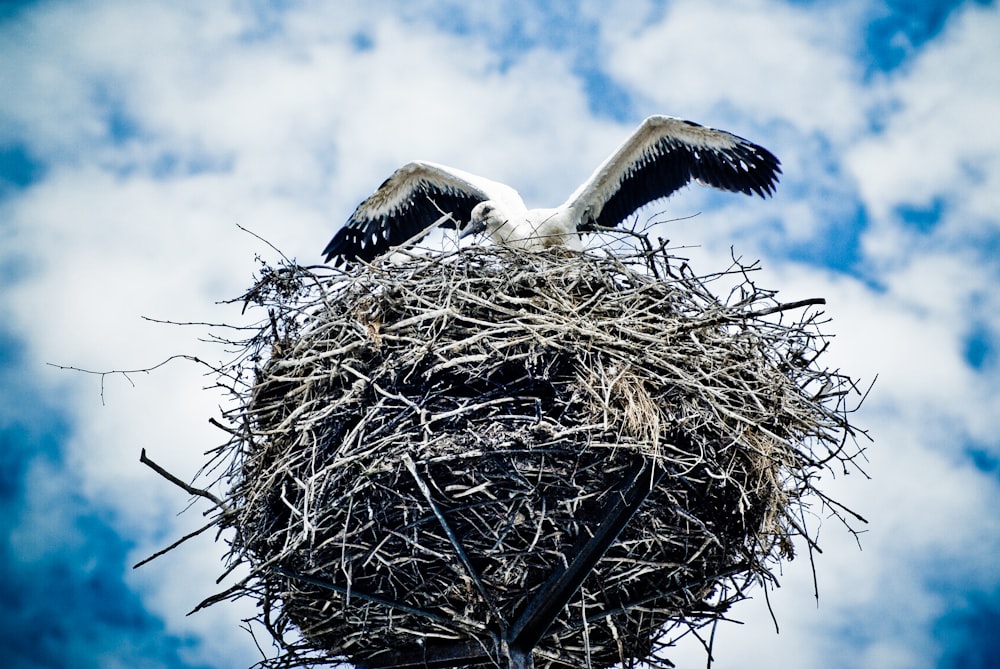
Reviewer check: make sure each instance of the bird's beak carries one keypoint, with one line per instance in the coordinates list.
(473, 229)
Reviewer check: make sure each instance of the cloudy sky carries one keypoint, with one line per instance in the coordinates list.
(135, 137)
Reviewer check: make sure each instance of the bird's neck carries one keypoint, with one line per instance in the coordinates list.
(537, 229)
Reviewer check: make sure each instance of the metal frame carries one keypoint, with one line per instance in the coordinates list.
(515, 642)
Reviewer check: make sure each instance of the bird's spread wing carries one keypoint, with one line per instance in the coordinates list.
(407, 205)
(665, 154)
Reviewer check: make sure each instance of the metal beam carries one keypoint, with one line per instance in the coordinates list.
(542, 610)
(520, 639)
(444, 656)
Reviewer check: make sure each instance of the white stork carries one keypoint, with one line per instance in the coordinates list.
(661, 156)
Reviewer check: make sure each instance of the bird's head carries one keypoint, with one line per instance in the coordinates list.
(484, 218)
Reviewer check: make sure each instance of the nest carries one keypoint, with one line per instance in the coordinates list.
(421, 446)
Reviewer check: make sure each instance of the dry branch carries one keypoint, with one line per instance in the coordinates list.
(420, 444)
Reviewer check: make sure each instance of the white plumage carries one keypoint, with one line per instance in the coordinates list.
(662, 155)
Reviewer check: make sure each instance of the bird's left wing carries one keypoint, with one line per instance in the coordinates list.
(407, 205)
(665, 154)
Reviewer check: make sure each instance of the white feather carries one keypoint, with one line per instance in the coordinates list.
(662, 155)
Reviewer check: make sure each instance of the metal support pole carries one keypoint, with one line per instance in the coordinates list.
(541, 611)
(519, 640)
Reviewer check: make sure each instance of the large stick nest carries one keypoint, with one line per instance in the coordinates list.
(424, 442)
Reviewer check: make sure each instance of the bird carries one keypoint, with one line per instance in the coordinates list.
(664, 154)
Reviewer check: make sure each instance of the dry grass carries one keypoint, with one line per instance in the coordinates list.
(423, 442)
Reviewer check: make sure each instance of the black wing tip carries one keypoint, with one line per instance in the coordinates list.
(356, 241)
(772, 168)
(755, 172)
(335, 255)
(365, 237)
(340, 250)
(744, 167)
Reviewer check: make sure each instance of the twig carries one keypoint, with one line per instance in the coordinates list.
(191, 490)
(520, 386)
(455, 543)
(126, 372)
(190, 535)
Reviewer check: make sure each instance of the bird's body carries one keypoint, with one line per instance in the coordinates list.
(662, 155)
(522, 228)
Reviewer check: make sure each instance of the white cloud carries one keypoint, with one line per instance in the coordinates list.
(107, 240)
(754, 61)
(941, 140)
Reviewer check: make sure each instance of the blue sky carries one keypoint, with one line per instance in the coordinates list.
(135, 136)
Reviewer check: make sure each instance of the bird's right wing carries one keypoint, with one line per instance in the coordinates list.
(407, 205)
(665, 154)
